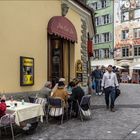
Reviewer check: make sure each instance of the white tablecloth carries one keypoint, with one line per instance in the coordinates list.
(25, 111)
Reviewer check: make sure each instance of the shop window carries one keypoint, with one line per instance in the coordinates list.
(137, 13)
(125, 16)
(137, 33)
(125, 52)
(125, 34)
(136, 50)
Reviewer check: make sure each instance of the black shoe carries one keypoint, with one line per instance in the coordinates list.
(112, 110)
(107, 107)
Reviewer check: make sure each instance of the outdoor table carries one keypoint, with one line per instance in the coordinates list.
(24, 111)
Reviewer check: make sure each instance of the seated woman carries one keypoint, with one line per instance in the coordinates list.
(2, 106)
(77, 94)
(61, 92)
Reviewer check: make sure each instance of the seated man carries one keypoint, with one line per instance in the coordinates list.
(46, 90)
(61, 92)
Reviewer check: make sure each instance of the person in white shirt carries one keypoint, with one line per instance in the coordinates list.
(109, 83)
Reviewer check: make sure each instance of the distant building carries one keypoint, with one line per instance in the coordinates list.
(103, 40)
(127, 33)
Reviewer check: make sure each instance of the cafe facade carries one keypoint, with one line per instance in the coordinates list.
(41, 41)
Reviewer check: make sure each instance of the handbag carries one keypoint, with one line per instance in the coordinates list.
(118, 92)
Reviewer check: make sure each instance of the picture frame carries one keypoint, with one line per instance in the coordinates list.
(26, 71)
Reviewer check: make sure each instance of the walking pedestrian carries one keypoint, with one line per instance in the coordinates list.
(109, 83)
(97, 76)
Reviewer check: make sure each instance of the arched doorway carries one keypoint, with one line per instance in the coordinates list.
(61, 38)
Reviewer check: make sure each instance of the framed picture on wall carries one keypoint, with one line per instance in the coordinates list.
(26, 71)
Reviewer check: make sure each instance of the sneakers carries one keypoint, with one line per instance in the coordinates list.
(100, 93)
(97, 94)
(112, 110)
(107, 107)
(27, 127)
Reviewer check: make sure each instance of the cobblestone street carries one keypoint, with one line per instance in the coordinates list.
(123, 124)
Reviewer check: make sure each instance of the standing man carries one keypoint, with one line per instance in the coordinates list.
(97, 76)
(109, 83)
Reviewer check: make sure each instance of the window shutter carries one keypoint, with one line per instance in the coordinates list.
(110, 18)
(110, 36)
(98, 5)
(102, 38)
(107, 3)
(100, 21)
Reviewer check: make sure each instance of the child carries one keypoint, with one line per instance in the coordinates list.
(2, 106)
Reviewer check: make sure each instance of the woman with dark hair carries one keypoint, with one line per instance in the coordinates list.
(77, 94)
(61, 92)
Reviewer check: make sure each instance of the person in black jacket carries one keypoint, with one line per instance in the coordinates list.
(77, 94)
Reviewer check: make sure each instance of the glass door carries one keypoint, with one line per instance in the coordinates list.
(56, 64)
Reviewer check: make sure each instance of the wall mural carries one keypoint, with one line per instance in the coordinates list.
(126, 17)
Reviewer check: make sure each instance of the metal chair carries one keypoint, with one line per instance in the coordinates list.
(84, 105)
(6, 121)
(55, 107)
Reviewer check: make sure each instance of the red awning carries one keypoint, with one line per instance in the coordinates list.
(61, 26)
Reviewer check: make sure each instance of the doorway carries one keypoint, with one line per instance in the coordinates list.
(60, 59)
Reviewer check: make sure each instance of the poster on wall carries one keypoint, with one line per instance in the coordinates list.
(26, 71)
(79, 70)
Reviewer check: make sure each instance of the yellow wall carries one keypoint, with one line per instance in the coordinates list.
(75, 18)
(23, 32)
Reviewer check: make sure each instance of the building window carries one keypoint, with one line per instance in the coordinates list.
(137, 13)
(96, 39)
(137, 33)
(106, 19)
(97, 21)
(125, 52)
(106, 37)
(103, 3)
(106, 53)
(125, 34)
(136, 50)
(125, 16)
(96, 54)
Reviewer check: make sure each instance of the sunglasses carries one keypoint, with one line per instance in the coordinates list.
(109, 76)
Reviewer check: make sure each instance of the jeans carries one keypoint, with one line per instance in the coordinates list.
(110, 92)
(98, 85)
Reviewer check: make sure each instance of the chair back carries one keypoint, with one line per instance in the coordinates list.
(6, 119)
(31, 99)
(85, 100)
(55, 102)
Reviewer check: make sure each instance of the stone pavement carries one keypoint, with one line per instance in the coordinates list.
(122, 124)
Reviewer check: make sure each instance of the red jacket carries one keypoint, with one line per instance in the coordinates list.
(2, 108)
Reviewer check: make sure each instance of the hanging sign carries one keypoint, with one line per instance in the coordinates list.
(26, 71)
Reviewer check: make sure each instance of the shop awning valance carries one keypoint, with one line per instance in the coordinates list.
(63, 27)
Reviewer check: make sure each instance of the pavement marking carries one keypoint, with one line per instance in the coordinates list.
(134, 132)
